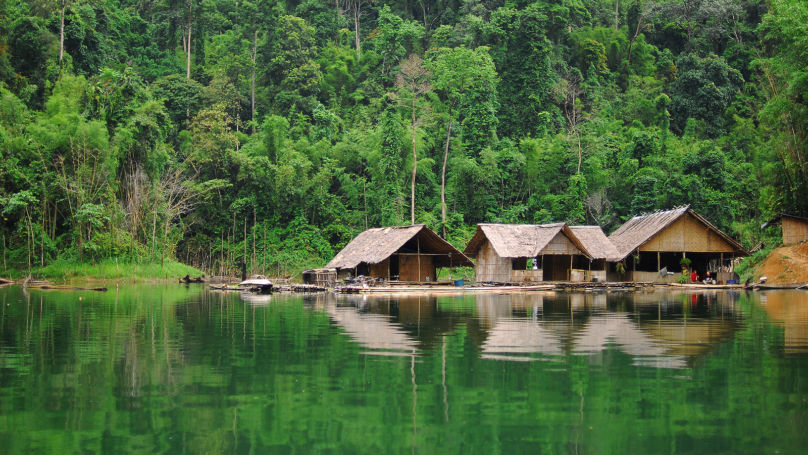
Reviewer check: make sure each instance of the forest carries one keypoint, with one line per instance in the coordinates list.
(216, 132)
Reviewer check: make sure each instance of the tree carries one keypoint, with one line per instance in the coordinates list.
(521, 51)
(413, 83)
(703, 91)
(354, 8)
(458, 72)
(392, 37)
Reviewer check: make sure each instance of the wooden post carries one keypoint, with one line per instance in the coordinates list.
(721, 264)
(255, 224)
(569, 274)
(658, 262)
(418, 240)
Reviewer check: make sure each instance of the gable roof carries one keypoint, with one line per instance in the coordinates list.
(642, 228)
(596, 242)
(519, 240)
(375, 245)
(777, 218)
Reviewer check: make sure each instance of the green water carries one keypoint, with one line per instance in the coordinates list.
(175, 369)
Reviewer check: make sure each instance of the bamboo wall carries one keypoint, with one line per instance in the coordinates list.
(491, 267)
(408, 267)
(561, 245)
(526, 276)
(380, 270)
(794, 230)
(690, 235)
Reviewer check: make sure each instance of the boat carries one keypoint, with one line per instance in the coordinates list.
(261, 285)
(781, 286)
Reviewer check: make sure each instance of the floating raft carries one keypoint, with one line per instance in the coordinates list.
(696, 287)
(300, 288)
(441, 289)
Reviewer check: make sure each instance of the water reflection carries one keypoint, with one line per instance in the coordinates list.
(659, 329)
(789, 310)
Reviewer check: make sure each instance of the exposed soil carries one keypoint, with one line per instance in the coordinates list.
(786, 265)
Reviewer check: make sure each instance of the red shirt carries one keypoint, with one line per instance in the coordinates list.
(694, 277)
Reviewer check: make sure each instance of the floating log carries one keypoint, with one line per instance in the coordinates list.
(188, 280)
(5, 281)
(53, 287)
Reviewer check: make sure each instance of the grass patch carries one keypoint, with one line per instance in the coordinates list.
(109, 270)
(748, 268)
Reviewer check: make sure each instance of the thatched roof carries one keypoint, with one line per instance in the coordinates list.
(779, 217)
(642, 228)
(520, 240)
(596, 243)
(375, 245)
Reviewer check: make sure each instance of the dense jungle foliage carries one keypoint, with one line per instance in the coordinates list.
(218, 131)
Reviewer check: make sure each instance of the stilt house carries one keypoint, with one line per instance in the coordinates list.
(399, 253)
(795, 228)
(652, 242)
(519, 253)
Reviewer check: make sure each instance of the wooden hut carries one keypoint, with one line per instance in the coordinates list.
(601, 250)
(326, 278)
(503, 251)
(652, 242)
(399, 253)
(795, 228)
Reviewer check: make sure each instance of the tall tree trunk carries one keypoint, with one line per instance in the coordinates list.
(153, 231)
(443, 174)
(616, 14)
(62, 33)
(357, 12)
(252, 86)
(190, 12)
(414, 166)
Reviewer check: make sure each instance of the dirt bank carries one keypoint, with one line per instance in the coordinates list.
(785, 265)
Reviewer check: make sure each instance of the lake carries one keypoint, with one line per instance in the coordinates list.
(180, 369)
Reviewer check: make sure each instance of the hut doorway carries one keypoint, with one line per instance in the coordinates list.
(395, 268)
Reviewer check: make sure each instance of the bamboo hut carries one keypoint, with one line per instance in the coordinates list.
(600, 248)
(655, 243)
(795, 228)
(326, 278)
(503, 251)
(399, 253)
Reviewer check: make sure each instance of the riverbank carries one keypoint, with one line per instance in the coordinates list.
(108, 271)
(784, 265)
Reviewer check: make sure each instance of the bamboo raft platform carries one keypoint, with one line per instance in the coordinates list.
(296, 287)
(440, 289)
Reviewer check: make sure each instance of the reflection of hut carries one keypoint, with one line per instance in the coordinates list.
(600, 249)
(795, 229)
(790, 311)
(373, 331)
(400, 253)
(521, 336)
(601, 331)
(648, 243)
(326, 278)
(503, 251)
